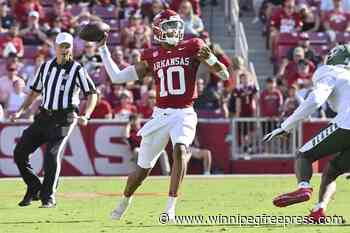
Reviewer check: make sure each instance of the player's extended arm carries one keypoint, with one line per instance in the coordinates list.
(323, 89)
(129, 74)
(315, 99)
(205, 55)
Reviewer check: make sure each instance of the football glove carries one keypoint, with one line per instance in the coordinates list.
(275, 133)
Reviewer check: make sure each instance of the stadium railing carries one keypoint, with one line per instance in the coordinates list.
(246, 139)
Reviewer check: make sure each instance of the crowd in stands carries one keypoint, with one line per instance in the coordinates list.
(298, 33)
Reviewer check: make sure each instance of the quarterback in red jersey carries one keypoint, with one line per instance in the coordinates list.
(173, 65)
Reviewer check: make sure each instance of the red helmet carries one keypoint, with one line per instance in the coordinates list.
(166, 22)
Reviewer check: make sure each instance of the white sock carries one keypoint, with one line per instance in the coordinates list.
(304, 184)
(171, 203)
(206, 173)
(126, 199)
(320, 205)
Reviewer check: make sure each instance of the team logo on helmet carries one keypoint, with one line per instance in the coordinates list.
(339, 55)
(168, 27)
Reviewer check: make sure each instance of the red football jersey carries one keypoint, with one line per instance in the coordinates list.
(175, 71)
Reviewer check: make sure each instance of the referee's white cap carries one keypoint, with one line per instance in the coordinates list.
(64, 37)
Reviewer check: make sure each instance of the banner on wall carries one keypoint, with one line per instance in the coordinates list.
(100, 150)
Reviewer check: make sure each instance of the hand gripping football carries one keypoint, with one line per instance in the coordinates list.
(94, 31)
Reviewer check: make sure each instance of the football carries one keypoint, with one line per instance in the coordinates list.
(94, 31)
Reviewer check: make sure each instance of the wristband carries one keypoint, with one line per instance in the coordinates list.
(212, 60)
(223, 74)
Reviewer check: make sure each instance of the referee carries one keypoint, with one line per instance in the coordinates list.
(59, 81)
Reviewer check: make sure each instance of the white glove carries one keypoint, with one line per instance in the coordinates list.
(275, 133)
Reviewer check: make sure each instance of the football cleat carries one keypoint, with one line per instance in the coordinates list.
(118, 212)
(298, 196)
(317, 216)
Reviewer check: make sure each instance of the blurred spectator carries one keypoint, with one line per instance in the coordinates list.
(46, 49)
(304, 71)
(16, 97)
(103, 109)
(208, 98)
(135, 57)
(310, 19)
(7, 21)
(267, 8)
(285, 20)
(146, 109)
(33, 34)
(7, 81)
(338, 19)
(193, 24)
(90, 58)
(11, 43)
(118, 57)
(328, 5)
(136, 34)
(199, 153)
(291, 103)
(245, 95)
(125, 108)
(28, 70)
(257, 4)
(14, 59)
(296, 69)
(176, 5)
(309, 53)
(59, 13)
(22, 8)
(271, 100)
(151, 8)
(113, 97)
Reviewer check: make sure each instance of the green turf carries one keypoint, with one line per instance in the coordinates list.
(81, 210)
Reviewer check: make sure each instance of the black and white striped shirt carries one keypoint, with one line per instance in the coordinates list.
(60, 85)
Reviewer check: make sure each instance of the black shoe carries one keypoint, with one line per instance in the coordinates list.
(48, 204)
(29, 197)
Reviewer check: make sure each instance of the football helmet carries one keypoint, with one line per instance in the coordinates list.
(168, 27)
(339, 55)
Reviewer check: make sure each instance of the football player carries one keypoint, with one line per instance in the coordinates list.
(332, 84)
(173, 64)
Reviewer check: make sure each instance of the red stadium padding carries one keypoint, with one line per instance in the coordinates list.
(98, 149)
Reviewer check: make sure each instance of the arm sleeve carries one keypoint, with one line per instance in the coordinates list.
(85, 82)
(323, 89)
(116, 75)
(37, 84)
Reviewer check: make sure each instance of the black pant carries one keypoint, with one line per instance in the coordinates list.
(52, 129)
(331, 140)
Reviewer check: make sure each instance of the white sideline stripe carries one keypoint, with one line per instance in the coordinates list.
(167, 177)
(59, 157)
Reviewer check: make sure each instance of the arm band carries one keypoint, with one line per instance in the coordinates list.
(223, 74)
(212, 60)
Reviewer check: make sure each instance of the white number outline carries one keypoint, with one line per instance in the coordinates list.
(169, 75)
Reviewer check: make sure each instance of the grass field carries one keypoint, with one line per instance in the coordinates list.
(84, 206)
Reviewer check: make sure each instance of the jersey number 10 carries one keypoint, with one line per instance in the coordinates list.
(170, 84)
